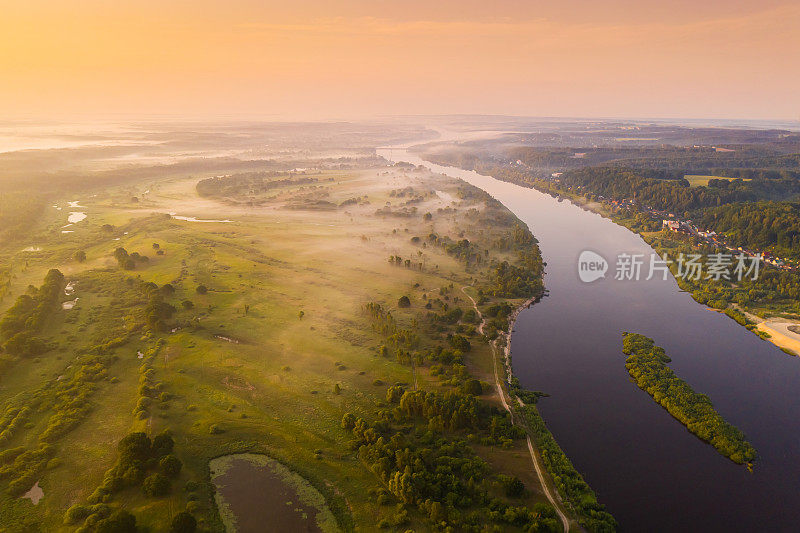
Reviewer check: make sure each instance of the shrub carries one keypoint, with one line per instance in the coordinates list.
(473, 387)
(348, 421)
(134, 447)
(201, 289)
(156, 485)
(76, 513)
(120, 521)
(183, 523)
(170, 465)
(403, 302)
(514, 487)
(143, 404)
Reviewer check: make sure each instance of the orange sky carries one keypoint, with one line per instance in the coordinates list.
(311, 59)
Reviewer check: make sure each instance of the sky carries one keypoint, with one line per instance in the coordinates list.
(315, 59)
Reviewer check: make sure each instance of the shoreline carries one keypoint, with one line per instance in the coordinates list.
(548, 485)
(783, 340)
(512, 321)
(537, 430)
(786, 342)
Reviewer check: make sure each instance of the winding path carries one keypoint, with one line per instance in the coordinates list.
(545, 488)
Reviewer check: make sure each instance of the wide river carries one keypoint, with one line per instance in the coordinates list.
(647, 468)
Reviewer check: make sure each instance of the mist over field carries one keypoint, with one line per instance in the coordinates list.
(382, 266)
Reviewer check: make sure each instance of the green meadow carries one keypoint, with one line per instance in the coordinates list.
(250, 328)
(696, 180)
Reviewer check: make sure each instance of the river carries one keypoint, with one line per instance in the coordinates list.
(651, 473)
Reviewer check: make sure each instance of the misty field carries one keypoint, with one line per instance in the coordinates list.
(264, 344)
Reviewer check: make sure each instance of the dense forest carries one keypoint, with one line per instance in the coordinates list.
(671, 194)
(673, 162)
(660, 188)
(647, 365)
(433, 467)
(771, 226)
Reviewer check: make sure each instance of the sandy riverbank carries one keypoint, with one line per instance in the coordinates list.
(780, 335)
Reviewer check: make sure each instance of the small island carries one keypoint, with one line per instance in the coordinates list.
(647, 364)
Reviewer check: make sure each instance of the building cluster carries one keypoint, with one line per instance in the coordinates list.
(714, 239)
(672, 223)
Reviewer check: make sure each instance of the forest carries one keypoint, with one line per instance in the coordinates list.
(746, 160)
(647, 365)
(433, 467)
(770, 226)
(674, 195)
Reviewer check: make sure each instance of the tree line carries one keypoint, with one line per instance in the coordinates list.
(647, 365)
(21, 323)
(434, 469)
(773, 226)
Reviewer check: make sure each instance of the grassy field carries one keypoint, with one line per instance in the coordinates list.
(268, 359)
(702, 181)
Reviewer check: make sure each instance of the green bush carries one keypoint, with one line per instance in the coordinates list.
(120, 521)
(183, 523)
(76, 513)
(156, 485)
(170, 465)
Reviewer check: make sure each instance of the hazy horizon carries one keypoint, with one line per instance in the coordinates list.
(360, 60)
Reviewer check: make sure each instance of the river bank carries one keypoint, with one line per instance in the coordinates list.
(565, 480)
(610, 431)
(776, 329)
(563, 485)
(773, 329)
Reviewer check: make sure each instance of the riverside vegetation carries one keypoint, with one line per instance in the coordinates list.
(647, 365)
(759, 213)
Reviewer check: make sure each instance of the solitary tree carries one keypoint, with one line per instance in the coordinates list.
(515, 488)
